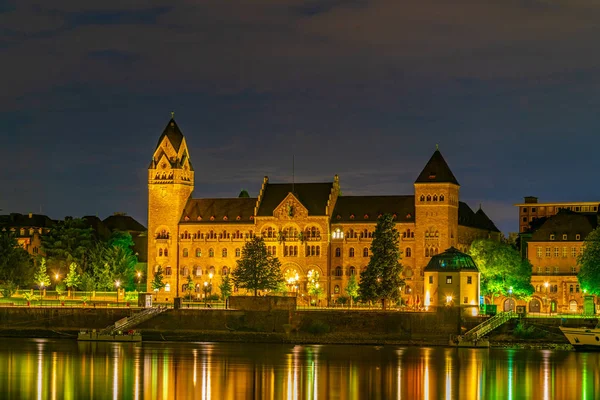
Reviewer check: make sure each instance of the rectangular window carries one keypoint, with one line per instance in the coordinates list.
(576, 288)
(539, 269)
(431, 280)
(524, 209)
(556, 252)
(469, 280)
(448, 280)
(570, 288)
(573, 270)
(524, 219)
(564, 252)
(547, 251)
(532, 209)
(573, 251)
(466, 300)
(539, 252)
(556, 270)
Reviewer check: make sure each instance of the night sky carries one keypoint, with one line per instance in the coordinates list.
(509, 90)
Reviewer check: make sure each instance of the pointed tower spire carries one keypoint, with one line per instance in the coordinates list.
(436, 171)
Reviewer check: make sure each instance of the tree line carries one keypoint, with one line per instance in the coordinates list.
(76, 257)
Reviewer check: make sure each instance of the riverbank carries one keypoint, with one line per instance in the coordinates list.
(294, 327)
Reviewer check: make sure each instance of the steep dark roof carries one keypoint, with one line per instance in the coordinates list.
(436, 171)
(373, 206)
(566, 222)
(466, 217)
(122, 222)
(27, 220)
(242, 207)
(451, 260)
(244, 194)
(173, 133)
(98, 226)
(313, 196)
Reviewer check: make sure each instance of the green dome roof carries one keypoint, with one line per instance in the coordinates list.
(451, 260)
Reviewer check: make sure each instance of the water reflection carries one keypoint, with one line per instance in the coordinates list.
(46, 369)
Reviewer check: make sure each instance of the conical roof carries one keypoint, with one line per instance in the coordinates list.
(173, 133)
(436, 171)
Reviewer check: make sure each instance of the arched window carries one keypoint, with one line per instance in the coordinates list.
(166, 252)
(224, 253)
(197, 271)
(338, 252)
(336, 289)
(366, 252)
(185, 252)
(428, 197)
(167, 287)
(351, 252)
(198, 253)
(168, 270)
(422, 198)
(408, 252)
(441, 197)
(338, 271)
(318, 249)
(160, 252)
(185, 271)
(225, 271)
(426, 252)
(435, 197)
(211, 252)
(352, 271)
(211, 271)
(238, 252)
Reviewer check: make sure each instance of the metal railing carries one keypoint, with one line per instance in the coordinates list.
(489, 325)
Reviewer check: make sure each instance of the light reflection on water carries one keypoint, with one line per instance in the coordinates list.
(49, 369)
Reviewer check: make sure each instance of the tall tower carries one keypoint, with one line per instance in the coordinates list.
(436, 210)
(170, 185)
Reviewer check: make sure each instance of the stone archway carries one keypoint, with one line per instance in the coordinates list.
(573, 306)
(509, 305)
(535, 306)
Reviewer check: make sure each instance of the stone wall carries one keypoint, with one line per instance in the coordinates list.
(262, 303)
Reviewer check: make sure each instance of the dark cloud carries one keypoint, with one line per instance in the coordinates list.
(364, 89)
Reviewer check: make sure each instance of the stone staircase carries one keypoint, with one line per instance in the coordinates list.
(474, 337)
(127, 323)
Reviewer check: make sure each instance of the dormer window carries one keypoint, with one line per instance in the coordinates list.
(366, 216)
(238, 218)
(352, 216)
(225, 218)
(338, 216)
(578, 237)
(394, 216)
(186, 218)
(564, 236)
(212, 217)
(199, 218)
(408, 216)
(552, 237)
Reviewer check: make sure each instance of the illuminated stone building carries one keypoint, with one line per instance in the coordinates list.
(530, 210)
(552, 249)
(27, 229)
(308, 226)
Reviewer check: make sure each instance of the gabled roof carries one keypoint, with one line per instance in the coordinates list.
(358, 209)
(27, 220)
(221, 210)
(566, 222)
(173, 133)
(466, 217)
(124, 223)
(436, 171)
(313, 196)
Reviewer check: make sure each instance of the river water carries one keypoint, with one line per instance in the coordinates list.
(66, 369)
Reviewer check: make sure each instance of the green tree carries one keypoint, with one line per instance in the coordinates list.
(73, 279)
(16, 265)
(68, 241)
(41, 277)
(313, 286)
(382, 279)
(501, 267)
(352, 289)
(226, 287)
(119, 263)
(158, 279)
(189, 286)
(257, 269)
(589, 263)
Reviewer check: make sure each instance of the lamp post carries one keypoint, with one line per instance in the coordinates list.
(139, 276)
(56, 276)
(546, 284)
(205, 293)
(510, 301)
(210, 276)
(117, 284)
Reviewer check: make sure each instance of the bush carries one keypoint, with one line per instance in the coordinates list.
(317, 327)
(131, 296)
(213, 297)
(343, 300)
(523, 331)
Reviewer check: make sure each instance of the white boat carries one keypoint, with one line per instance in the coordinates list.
(583, 338)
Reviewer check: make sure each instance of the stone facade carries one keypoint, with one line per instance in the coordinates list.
(308, 226)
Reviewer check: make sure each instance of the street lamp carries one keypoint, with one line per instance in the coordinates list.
(139, 276)
(205, 292)
(210, 276)
(510, 302)
(117, 284)
(56, 276)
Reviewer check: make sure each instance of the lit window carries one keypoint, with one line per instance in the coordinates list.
(564, 236)
(336, 289)
(430, 279)
(547, 251)
(556, 252)
(408, 252)
(448, 279)
(539, 252)
(224, 253)
(552, 237)
(211, 253)
(564, 252)
(185, 252)
(198, 253)
(556, 270)
(573, 251)
(237, 252)
(351, 252)
(578, 237)
(167, 287)
(573, 270)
